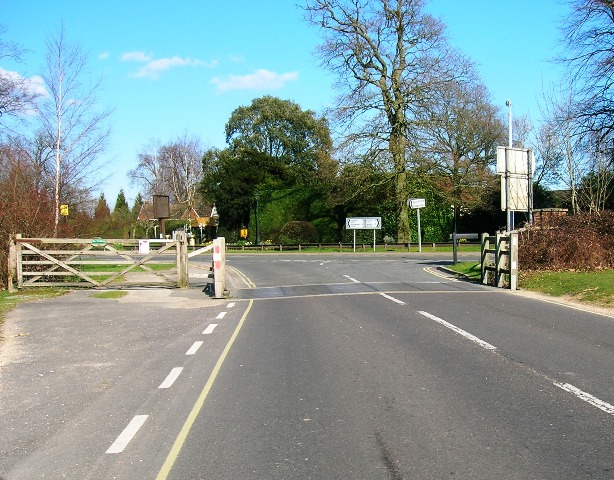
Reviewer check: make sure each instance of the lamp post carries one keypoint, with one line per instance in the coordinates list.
(257, 197)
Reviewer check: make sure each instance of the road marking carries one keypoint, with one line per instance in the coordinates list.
(187, 426)
(221, 315)
(170, 379)
(400, 302)
(209, 329)
(460, 331)
(231, 304)
(587, 397)
(449, 277)
(351, 279)
(194, 348)
(128, 434)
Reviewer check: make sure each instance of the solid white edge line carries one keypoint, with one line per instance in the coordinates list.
(460, 331)
(128, 434)
(171, 377)
(221, 315)
(400, 302)
(194, 348)
(209, 329)
(587, 397)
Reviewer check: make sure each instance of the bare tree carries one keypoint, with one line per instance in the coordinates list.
(460, 131)
(73, 126)
(174, 169)
(17, 94)
(388, 56)
(589, 41)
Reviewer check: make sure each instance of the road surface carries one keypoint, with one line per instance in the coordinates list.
(319, 366)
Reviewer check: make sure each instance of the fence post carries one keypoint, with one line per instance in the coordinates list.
(183, 280)
(12, 264)
(513, 259)
(498, 259)
(18, 260)
(484, 246)
(219, 267)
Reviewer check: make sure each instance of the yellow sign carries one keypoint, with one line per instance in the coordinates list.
(64, 210)
(243, 233)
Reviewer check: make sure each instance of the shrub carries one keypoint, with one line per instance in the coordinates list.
(578, 242)
(297, 232)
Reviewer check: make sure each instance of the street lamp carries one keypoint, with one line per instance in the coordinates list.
(257, 197)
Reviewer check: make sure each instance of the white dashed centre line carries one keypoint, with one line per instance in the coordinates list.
(396, 300)
(587, 397)
(194, 348)
(221, 315)
(128, 434)
(460, 331)
(209, 329)
(351, 279)
(170, 379)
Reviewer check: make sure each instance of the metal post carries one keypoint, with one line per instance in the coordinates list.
(454, 252)
(419, 232)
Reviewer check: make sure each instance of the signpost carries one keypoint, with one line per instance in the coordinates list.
(417, 204)
(363, 223)
(516, 167)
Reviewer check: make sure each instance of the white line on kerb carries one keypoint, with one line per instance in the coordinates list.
(221, 315)
(460, 331)
(351, 279)
(209, 329)
(128, 434)
(194, 348)
(170, 379)
(400, 302)
(587, 397)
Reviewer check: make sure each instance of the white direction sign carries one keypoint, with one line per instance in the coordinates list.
(416, 203)
(363, 223)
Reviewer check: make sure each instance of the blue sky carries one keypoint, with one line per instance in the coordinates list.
(170, 68)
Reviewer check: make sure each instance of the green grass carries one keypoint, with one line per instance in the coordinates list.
(8, 301)
(470, 270)
(110, 294)
(595, 288)
(589, 287)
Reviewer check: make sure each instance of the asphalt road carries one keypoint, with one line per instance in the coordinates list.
(320, 366)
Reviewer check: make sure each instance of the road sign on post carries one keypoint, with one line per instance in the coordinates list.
(363, 223)
(417, 204)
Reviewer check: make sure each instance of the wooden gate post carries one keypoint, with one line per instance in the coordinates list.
(183, 280)
(12, 264)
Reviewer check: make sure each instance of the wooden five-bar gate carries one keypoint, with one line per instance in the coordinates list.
(97, 262)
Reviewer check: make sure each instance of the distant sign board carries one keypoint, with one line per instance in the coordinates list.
(519, 161)
(363, 223)
(416, 203)
(99, 242)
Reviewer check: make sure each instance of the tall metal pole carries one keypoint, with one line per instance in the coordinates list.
(508, 213)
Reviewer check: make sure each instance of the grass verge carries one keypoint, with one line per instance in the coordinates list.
(110, 294)
(596, 288)
(8, 301)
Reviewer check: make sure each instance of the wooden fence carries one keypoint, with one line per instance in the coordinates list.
(499, 259)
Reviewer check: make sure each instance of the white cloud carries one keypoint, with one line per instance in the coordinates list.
(103, 56)
(34, 84)
(154, 67)
(259, 80)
